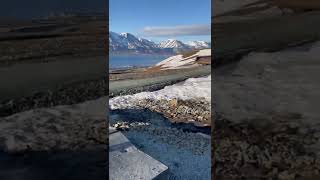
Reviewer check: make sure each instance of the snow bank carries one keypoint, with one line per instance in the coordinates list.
(193, 88)
(176, 62)
(204, 52)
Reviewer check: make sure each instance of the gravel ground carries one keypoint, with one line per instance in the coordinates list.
(278, 147)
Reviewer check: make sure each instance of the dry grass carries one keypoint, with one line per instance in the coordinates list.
(154, 69)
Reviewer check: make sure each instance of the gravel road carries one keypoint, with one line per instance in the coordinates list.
(131, 86)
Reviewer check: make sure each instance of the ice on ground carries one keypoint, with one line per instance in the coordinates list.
(174, 61)
(192, 88)
(183, 163)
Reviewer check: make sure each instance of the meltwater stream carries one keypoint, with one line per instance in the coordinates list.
(184, 148)
(154, 118)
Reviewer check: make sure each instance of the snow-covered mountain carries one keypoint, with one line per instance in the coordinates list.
(175, 45)
(199, 44)
(172, 43)
(126, 42)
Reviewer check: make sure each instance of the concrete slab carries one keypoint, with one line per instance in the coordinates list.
(126, 162)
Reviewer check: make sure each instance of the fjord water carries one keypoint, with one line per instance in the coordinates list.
(126, 61)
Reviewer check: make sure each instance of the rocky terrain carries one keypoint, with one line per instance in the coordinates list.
(196, 112)
(280, 147)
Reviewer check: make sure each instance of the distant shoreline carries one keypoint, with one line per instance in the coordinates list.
(125, 62)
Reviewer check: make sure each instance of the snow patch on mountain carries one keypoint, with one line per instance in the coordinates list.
(192, 88)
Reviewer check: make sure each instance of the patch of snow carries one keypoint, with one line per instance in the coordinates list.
(204, 52)
(177, 62)
(192, 88)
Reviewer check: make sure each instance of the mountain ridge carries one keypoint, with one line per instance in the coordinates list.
(129, 43)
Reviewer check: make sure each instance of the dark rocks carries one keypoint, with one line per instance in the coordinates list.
(197, 112)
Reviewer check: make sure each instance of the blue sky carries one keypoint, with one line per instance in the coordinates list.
(162, 19)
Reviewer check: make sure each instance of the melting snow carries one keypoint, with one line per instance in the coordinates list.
(193, 88)
(178, 61)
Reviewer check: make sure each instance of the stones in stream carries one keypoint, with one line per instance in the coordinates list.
(126, 119)
(196, 112)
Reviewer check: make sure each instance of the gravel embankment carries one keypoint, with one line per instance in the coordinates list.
(71, 94)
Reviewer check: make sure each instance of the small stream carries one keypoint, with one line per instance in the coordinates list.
(180, 146)
(154, 118)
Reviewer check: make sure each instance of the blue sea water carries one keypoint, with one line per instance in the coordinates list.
(125, 61)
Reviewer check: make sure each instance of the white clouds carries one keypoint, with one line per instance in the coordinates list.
(186, 30)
